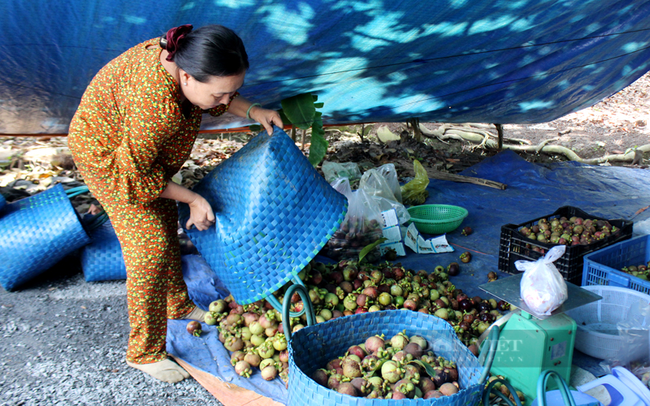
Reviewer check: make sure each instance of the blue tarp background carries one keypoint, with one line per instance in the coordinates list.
(533, 191)
(498, 61)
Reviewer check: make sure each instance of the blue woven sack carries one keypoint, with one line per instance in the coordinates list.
(313, 347)
(102, 259)
(37, 232)
(274, 212)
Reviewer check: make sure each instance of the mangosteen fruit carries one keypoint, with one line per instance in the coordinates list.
(453, 269)
(270, 372)
(467, 230)
(433, 394)
(426, 385)
(243, 368)
(390, 371)
(346, 388)
(373, 344)
(419, 340)
(465, 257)
(448, 389)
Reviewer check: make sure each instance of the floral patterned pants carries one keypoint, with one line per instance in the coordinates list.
(154, 284)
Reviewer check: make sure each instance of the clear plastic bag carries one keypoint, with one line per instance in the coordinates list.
(377, 186)
(333, 171)
(361, 226)
(542, 287)
(641, 228)
(390, 174)
(634, 332)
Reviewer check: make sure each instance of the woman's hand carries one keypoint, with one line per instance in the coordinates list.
(266, 118)
(201, 214)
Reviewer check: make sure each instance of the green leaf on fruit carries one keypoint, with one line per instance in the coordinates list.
(430, 371)
(366, 250)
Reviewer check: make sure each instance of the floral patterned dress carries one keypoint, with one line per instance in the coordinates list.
(129, 136)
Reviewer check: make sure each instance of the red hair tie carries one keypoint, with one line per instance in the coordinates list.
(173, 36)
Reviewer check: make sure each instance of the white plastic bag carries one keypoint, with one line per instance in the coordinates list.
(542, 287)
(378, 187)
(389, 173)
(362, 224)
(634, 331)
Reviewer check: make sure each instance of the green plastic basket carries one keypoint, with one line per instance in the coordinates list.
(437, 218)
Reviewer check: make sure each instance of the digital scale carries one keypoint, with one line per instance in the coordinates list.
(529, 343)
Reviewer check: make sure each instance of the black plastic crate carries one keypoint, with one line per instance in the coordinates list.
(515, 246)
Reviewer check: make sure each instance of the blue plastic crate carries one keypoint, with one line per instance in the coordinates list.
(603, 267)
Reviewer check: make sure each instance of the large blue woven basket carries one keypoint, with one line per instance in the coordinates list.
(274, 212)
(3, 202)
(36, 233)
(102, 259)
(314, 346)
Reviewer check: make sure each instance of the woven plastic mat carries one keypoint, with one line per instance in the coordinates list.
(314, 346)
(102, 259)
(37, 232)
(274, 212)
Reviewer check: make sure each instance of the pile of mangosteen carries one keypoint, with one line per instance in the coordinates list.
(569, 231)
(640, 270)
(353, 235)
(400, 367)
(254, 333)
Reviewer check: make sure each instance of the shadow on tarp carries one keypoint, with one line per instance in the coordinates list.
(532, 191)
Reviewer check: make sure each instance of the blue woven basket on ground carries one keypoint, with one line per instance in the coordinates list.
(274, 212)
(313, 347)
(102, 259)
(37, 232)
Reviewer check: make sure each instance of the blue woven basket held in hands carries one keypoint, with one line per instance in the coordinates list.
(37, 232)
(314, 346)
(102, 259)
(274, 212)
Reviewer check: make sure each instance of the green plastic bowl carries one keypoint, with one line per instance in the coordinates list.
(437, 218)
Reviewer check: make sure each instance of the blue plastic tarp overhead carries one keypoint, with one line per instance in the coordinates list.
(533, 191)
(500, 61)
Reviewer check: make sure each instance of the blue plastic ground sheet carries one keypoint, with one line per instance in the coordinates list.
(532, 191)
(206, 353)
(498, 61)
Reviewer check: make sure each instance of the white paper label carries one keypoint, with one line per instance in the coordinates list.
(436, 245)
(397, 246)
(440, 244)
(392, 234)
(390, 218)
(411, 237)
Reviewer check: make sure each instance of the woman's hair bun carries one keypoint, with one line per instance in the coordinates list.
(173, 37)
